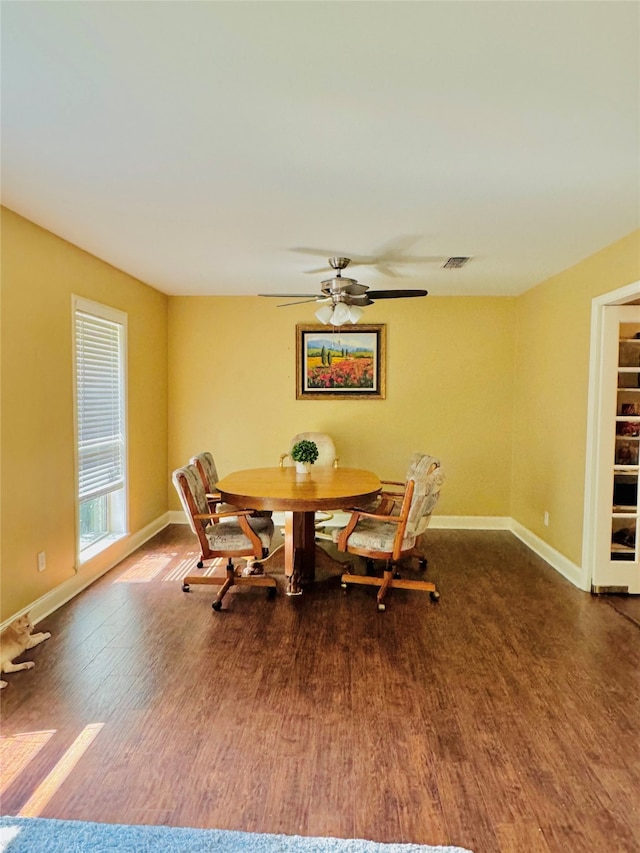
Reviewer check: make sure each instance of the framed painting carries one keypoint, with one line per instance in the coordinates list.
(340, 363)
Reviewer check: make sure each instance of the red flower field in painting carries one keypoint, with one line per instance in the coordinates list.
(342, 373)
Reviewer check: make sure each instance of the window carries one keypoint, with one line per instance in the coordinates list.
(100, 400)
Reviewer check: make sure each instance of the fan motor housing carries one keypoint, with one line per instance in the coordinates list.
(339, 263)
(336, 285)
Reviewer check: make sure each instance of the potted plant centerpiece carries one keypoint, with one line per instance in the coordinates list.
(304, 453)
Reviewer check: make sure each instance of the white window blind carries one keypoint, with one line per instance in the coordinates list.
(100, 405)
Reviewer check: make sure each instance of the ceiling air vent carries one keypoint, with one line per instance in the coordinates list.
(455, 263)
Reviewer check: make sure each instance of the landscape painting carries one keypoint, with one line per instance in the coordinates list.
(345, 362)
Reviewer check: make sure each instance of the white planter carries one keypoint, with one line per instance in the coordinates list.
(303, 467)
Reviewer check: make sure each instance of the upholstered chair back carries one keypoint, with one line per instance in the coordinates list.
(427, 475)
(207, 467)
(327, 456)
(189, 486)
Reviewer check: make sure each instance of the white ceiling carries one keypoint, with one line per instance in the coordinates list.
(197, 145)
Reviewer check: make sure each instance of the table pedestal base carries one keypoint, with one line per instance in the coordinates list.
(299, 550)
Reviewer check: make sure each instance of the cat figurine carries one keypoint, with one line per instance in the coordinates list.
(16, 639)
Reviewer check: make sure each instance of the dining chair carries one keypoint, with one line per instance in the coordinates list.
(241, 535)
(327, 455)
(391, 529)
(206, 466)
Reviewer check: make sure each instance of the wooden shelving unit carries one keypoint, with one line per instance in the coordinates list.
(626, 468)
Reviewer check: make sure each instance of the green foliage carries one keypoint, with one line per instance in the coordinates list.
(304, 451)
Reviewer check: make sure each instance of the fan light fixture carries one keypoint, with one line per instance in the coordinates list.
(339, 314)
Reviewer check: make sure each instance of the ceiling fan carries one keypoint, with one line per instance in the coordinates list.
(342, 298)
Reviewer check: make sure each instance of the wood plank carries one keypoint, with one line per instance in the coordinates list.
(503, 719)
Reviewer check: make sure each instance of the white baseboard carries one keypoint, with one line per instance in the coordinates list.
(89, 573)
(470, 522)
(447, 522)
(177, 516)
(55, 598)
(556, 560)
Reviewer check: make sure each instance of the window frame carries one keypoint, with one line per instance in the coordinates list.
(118, 504)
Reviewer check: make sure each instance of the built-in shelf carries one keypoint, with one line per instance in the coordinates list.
(626, 467)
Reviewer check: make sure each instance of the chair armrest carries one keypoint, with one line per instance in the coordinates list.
(356, 515)
(388, 501)
(391, 495)
(394, 519)
(251, 534)
(365, 513)
(232, 514)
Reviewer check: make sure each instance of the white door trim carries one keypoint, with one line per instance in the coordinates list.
(623, 295)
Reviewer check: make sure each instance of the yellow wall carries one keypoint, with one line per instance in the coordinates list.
(552, 374)
(40, 272)
(449, 391)
(495, 386)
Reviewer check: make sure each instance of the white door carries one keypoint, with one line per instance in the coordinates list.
(617, 558)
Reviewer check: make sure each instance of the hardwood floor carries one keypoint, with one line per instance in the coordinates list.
(503, 719)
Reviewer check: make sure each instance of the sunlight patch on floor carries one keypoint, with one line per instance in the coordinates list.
(48, 787)
(7, 834)
(190, 567)
(145, 570)
(16, 751)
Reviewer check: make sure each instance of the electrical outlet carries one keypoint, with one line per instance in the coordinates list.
(42, 561)
(546, 518)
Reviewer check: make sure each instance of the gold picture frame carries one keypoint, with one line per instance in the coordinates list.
(344, 362)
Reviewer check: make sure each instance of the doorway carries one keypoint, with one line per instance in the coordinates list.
(611, 557)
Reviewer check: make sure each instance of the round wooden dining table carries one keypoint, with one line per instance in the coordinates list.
(299, 496)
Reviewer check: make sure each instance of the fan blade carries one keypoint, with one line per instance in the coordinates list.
(385, 258)
(395, 294)
(295, 295)
(302, 302)
(355, 289)
(385, 269)
(354, 259)
(421, 259)
(304, 250)
(384, 263)
(359, 300)
(396, 251)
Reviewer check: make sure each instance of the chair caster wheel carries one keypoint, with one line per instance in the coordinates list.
(217, 605)
(186, 587)
(343, 585)
(382, 607)
(200, 564)
(422, 564)
(435, 595)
